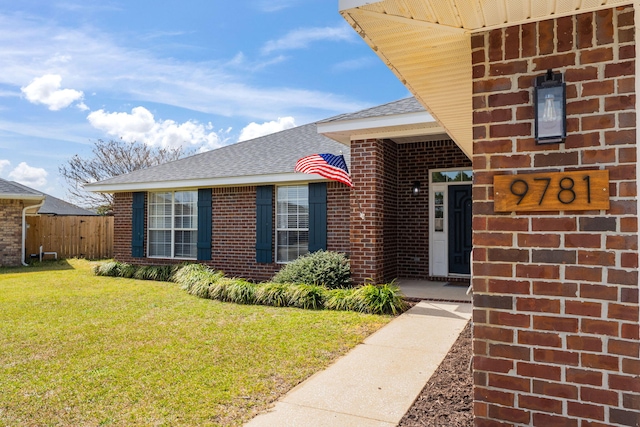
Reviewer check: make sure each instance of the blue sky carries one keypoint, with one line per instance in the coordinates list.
(197, 73)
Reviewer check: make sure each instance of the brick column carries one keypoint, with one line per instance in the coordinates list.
(369, 161)
(556, 293)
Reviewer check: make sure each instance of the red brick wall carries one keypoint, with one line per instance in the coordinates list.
(367, 210)
(416, 159)
(10, 232)
(393, 238)
(234, 230)
(556, 293)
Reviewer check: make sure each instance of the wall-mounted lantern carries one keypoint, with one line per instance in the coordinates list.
(415, 189)
(550, 108)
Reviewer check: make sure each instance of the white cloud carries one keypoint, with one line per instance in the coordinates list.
(255, 130)
(89, 58)
(46, 90)
(29, 176)
(4, 164)
(302, 38)
(141, 126)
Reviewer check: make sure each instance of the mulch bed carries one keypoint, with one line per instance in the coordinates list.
(447, 398)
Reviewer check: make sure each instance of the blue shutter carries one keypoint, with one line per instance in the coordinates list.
(317, 216)
(137, 225)
(204, 224)
(264, 224)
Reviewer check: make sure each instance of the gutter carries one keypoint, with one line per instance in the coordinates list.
(24, 228)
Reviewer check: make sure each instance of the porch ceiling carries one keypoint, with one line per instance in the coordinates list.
(427, 44)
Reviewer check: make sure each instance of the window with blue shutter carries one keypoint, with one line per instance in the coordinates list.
(137, 225)
(264, 224)
(204, 224)
(317, 216)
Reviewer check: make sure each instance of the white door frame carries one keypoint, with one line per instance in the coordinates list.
(439, 240)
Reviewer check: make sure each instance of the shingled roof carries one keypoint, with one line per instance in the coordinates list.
(403, 106)
(253, 161)
(13, 190)
(52, 205)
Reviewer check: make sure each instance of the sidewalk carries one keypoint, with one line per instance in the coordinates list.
(376, 383)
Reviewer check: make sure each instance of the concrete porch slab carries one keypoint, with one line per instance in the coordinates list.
(433, 291)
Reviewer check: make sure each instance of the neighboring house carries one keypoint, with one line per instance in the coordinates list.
(555, 279)
(244, 210)
(17, 202)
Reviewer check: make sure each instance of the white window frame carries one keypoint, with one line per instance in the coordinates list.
(279, 229)
(173, 229)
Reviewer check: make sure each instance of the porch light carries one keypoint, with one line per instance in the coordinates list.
(415, 189)
(550, 100)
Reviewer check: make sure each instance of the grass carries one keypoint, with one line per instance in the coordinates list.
(83, 350)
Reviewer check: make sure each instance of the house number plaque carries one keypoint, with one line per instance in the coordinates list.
(553, 191)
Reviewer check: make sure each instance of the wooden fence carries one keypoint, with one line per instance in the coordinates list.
(71, 236)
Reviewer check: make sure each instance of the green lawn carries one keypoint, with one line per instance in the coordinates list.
(81, 350)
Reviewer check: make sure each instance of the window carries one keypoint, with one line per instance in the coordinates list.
(292, 222)
(173, 224)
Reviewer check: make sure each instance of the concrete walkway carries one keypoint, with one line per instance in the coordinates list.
(375, 383)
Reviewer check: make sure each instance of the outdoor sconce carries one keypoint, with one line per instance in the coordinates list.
(415, 189)
(550, 100)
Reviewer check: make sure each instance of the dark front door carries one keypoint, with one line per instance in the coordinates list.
(460, 229)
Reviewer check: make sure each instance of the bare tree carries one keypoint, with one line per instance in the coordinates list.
(111, 158)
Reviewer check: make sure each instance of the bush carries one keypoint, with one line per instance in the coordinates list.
(309, 297)
(274, 294)
(110, 268)
(196, 279)
(127, 270)
(329, 269)
(203, 282)
(379, 299)
(340, 299)
(240, 291)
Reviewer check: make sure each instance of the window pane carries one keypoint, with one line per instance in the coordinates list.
(292, 222)
(186, 244)
(160, 243)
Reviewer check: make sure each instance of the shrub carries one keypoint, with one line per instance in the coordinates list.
(127, 270)
(379, 299)
(240, 292)
(201, 281)
(109, 268)
(161, 273)
(329, 269)
(340, 299)
(310, 297)
(195, 275)
(274, 294)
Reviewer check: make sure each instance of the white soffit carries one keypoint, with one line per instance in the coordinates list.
(427, 44)
(401, 125)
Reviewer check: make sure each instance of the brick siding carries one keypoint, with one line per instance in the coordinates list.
(234, 230)
(416, 160)
(11, 232)
(556, 294)
(393, 238)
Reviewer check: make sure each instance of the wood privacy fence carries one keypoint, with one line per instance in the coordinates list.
(71, 236)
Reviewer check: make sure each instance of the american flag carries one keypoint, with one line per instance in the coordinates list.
(329, 166)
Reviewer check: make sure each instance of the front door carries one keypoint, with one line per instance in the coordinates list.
(459, 229)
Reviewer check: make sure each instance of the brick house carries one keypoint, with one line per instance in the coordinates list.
(556, 314)
(16, 201)
(244, 210)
